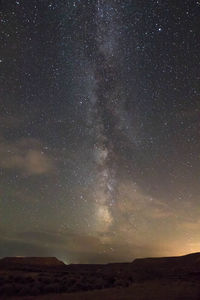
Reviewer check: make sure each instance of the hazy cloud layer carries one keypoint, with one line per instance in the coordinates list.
(25, 155)
(75, 248)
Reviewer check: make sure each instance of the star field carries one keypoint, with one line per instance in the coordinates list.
(99, 129)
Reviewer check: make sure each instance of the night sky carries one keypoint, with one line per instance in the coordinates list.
(99, 129)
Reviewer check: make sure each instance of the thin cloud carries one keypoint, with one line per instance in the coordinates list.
(25, 155)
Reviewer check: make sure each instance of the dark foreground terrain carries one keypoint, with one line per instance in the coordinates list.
(143, 279)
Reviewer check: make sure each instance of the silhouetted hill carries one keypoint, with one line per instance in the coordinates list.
(47, 261)
(169, 265)
(189, 258)
(30, 262)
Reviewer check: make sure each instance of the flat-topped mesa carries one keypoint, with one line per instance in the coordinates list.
(192, 257)
(186, 262)
(31, 261)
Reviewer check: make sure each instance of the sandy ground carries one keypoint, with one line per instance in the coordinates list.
(149, 290)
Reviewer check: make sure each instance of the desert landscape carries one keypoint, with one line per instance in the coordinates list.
(143, 279)
(100, 149)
